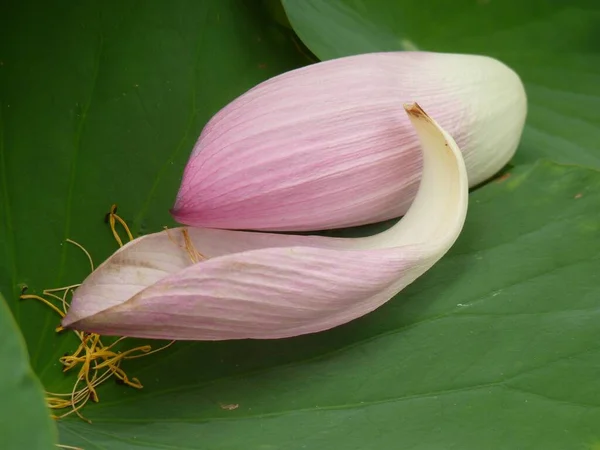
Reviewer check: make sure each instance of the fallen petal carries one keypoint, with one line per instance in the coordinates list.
(325, 146)
(258, 285)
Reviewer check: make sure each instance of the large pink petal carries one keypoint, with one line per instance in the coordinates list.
(326, 146)
(257, 285)
(268, 293)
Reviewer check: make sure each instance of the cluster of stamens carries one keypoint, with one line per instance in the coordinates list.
(94, 360)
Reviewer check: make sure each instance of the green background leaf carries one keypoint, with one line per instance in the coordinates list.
(495, 348)
(24, 419)
(100, 103)
(553, 46)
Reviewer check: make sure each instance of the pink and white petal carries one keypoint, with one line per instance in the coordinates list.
(326, 146)
(151, 258)
(262, 294)
(270, 286)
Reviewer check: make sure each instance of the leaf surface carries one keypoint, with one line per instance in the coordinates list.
(496, 347)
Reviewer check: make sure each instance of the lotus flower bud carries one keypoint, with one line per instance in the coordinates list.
(325, 146)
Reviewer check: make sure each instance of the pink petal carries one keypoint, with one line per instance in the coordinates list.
(257, 285)
(326, 146)
(268, 293)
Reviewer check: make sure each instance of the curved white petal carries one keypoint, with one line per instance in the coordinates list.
(258, 285)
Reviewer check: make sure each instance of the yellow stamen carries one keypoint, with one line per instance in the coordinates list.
(195, 255)
(112, 217)
(171, 238)
(153, 351)
(111, 221)
(111, 357)
(43, 300)
(188, 246)
(89, 257)
(96, 361)
(66, 288)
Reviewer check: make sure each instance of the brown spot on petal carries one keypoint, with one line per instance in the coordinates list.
(414, 110)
